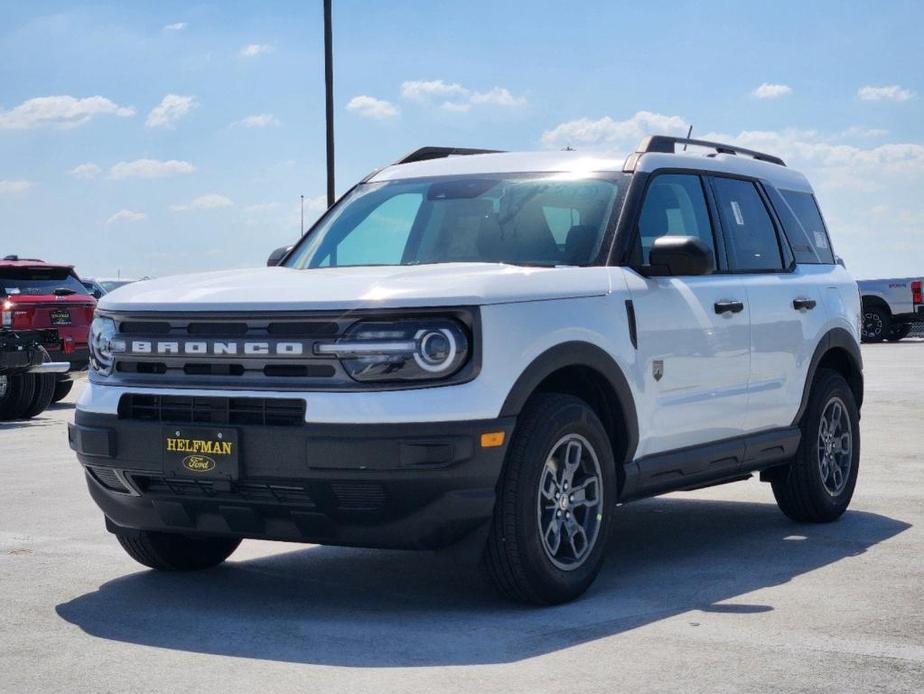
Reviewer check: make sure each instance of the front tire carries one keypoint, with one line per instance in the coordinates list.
(819, 483)
(551, 519)
(877, 324)
(899, 332)
(41, 398)
(172, 552)
(62, 388)
(15, 395)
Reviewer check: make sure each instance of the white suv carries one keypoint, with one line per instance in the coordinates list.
(494, 348)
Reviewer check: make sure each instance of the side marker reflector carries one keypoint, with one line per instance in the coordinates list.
(492, 439)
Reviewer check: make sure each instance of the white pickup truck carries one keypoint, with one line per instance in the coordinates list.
(891, 307)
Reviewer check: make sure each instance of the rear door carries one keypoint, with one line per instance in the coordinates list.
(693, 333)
(786, 301)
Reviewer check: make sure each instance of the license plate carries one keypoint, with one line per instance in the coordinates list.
(201, 453)
(60, 316)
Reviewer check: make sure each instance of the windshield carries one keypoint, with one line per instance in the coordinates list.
(548, 219)
(39, 282)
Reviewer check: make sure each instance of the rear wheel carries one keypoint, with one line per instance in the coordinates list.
(551, 519)
(876, 324)
(899, 332)
(17, 391)
(171, 552)
(62, 388)
(41, 398)
(819, 483)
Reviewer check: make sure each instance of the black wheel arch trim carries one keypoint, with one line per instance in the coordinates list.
(583, 354)
(837, 338)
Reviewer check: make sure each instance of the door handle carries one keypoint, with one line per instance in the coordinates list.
(728, 307)
(802, 303)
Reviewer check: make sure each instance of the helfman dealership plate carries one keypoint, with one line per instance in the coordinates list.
(201, 453)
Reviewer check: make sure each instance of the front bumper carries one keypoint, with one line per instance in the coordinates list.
(411, 486)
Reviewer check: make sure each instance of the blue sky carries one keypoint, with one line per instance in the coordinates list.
(164, 137)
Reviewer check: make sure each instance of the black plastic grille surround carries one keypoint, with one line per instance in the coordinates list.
(183, 409)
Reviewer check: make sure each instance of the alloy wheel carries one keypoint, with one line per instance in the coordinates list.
(835, 446)
(570, 502)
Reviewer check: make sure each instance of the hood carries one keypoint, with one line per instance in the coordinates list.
(286, 289)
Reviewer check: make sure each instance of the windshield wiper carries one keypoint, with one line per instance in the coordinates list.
(63, 291)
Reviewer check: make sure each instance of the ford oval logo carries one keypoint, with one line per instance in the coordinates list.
(198, 463)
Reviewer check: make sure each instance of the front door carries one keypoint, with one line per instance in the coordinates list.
(693, 332)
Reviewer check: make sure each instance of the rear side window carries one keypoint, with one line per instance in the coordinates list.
(804, 227)
(750, 236)
(20, 281)
(675, 205)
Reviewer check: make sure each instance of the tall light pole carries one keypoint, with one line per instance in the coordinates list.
(329, 94)
(302, 227)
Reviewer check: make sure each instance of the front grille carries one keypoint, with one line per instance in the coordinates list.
(108, 478)
(182, 409)
(251, 491)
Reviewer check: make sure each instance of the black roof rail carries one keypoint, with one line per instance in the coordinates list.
(427, 153)
(668, 144)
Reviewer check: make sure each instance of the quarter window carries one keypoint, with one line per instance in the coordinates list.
(805, 228)
(675, 205)
(749, 232)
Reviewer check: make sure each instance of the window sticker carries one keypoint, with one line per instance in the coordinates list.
(820, 240)
(736, 210)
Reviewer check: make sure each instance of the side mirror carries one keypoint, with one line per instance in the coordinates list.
(277, 256)
(680, 255)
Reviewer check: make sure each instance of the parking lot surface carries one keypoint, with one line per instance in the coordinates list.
(713, 590)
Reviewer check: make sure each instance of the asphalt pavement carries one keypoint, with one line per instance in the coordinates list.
(713, 590)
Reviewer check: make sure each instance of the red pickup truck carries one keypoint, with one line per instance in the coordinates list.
(35, 295)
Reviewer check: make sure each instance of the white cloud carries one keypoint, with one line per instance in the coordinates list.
(85, 171)
(254, 49)
(370, 107)
(622, 135)
(60, 111)
(126, 216)
(892, 92)
(261, 208)
(260, 120)
(209, 201)
(150, 168)
(171, 109)
(772, 91)
(456, 97)
(425, 90)
(15, 187)
(860, 131)
(176, 26)
(498, 96)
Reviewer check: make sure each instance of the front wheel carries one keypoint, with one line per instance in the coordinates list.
(172, 552)
(551, 519)
(877, 324)
(62, 388)
(819, 483)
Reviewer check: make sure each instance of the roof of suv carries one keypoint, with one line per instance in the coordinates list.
(16, 261)
(574, 162)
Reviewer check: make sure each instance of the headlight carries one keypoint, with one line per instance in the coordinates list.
(102, 330)
(412, 350)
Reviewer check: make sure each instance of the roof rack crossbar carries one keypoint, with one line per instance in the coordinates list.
(427, 153)
(668, 144)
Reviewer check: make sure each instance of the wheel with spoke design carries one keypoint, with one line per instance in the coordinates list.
(570, 500)
(551, 516)
(877, 324)
(819, 483)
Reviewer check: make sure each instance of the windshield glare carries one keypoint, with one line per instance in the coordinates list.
(523, 220)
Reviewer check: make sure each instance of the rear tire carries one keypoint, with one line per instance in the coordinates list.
(62, 388)
(17, 396)
(173, 552)
(819, 482)
(41, 398)
(552, 515)
(877, 324)
(899, 332)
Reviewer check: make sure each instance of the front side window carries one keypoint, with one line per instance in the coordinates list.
(525, 220)
(675, 205)
(750, 236)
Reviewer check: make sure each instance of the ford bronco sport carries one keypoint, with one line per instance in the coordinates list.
(494, 349)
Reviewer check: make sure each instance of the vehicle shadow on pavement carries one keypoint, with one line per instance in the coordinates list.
(367, 608)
